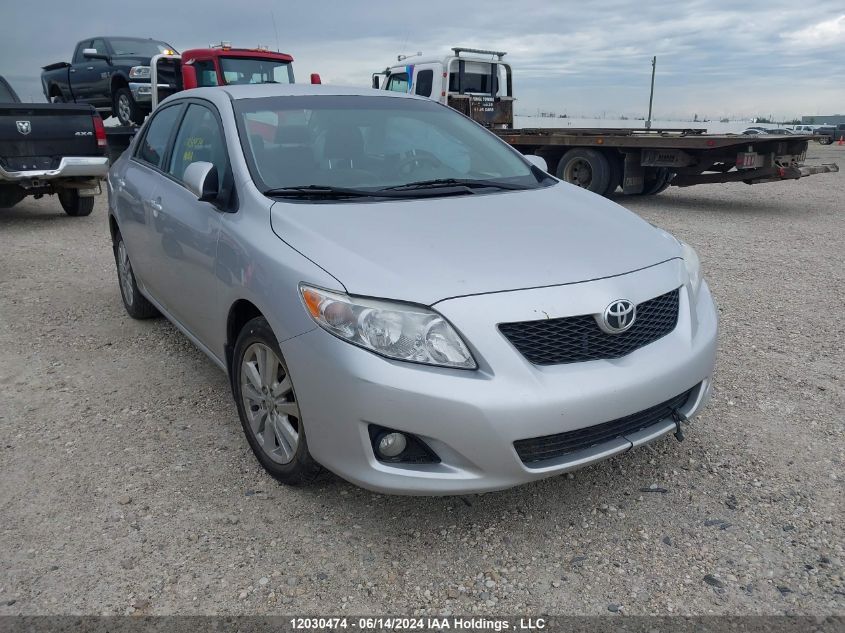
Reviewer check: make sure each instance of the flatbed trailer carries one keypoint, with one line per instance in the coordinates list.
(646, 162)
(479, 84)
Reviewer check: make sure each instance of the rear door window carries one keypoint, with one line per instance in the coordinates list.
(153, 145)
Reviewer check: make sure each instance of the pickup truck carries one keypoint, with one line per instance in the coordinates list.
(110, 73)
(48, 149)
(826, 134)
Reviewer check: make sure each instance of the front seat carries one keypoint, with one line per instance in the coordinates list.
(344, 148)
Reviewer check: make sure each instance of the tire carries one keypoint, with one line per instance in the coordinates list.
(656, 181)
(585, 168)
(126, 109)
(825, 140)
(136, 304)
(617, 169)
(74, 204)
(272, 423)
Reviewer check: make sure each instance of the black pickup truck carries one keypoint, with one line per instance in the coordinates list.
(110, 73)
(48, 149)
(826, 134)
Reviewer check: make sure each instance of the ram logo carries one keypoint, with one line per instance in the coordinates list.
(24, 127)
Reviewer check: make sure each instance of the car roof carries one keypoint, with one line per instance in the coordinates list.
(257, 91)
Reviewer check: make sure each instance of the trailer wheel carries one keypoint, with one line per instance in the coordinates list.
(586, 168)
(617, 168)
(656, 181)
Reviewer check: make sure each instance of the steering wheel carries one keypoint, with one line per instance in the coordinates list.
(419, 158)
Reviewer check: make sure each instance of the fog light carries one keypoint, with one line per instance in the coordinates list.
(392, 444)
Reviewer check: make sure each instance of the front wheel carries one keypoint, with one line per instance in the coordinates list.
(125, 108)
(268, 407)
(586, 168)
(825, 140)
(74, 204)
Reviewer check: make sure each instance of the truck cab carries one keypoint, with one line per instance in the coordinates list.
(475, 82)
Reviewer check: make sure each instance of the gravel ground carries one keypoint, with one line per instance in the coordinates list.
(128, 487)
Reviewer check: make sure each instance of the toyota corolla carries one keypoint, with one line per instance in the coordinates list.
(398, 296)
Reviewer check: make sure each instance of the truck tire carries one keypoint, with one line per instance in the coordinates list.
(125, 108)
(825, 140)
(136, 304)
(585, 168)
(656, 181)
(74, 204)
(617, 169)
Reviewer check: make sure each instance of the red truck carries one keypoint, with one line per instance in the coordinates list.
(218, 65)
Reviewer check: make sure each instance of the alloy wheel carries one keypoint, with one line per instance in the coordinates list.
(270, 403)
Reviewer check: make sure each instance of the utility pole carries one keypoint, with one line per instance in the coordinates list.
(651, 96)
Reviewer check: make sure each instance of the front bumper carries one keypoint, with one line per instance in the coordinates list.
(69, 167)
(472, 418)
(142, 92)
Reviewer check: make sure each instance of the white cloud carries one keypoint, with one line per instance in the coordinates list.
(828, 33)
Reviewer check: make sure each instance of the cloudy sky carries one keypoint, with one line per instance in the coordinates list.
(737, 58)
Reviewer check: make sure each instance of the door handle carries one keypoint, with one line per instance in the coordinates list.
(89, 68)
(155, 205)
(73, 70)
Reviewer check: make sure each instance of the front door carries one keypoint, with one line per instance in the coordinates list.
(185, 231)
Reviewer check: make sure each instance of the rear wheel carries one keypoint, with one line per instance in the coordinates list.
(586, 168)
(268, 407)
(135, 303)
(74, 204)
(656, 180)
(825, 140)
(617, 168)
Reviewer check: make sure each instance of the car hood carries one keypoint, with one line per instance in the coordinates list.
(430, 249)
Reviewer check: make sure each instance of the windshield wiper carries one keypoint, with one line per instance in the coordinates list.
(318, 191)
(469, 183)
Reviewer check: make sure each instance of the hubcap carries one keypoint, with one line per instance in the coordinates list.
(124, 271)
(269, 403)
(123, 108)
(579, 172)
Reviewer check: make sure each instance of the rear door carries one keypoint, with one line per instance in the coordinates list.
(136, 188)
(80, 73)
(98, 74)
(185, 231)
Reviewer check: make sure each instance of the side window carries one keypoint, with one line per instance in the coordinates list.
(199, 139)
(424, 80)
(152, 147)
(398, 82)
(206, 73)
(77, 55)
(100, 45)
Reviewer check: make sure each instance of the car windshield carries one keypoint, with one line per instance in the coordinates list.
(240, 70)
(373, 143)
(141, 48)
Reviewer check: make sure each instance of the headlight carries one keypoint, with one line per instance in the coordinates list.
(139, 72)
(693, 266)
(394, 330)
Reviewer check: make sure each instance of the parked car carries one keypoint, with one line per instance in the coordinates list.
(803, 129)
(826, 134)
(50, 149)
(110, 73)
(753, 131)
(780, 131)
(399, 296)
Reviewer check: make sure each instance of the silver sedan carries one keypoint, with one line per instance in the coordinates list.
(400, 297)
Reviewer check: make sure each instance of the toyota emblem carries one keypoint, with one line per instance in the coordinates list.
(618, 317)
(24, 127)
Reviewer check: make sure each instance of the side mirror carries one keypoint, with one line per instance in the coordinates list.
(315, 78)
(375, 82)
(537, 161)
(91, 53)
(189, 76)
(201, 180)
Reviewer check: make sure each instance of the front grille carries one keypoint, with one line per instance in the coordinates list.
(579, 338)
(538, 449)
